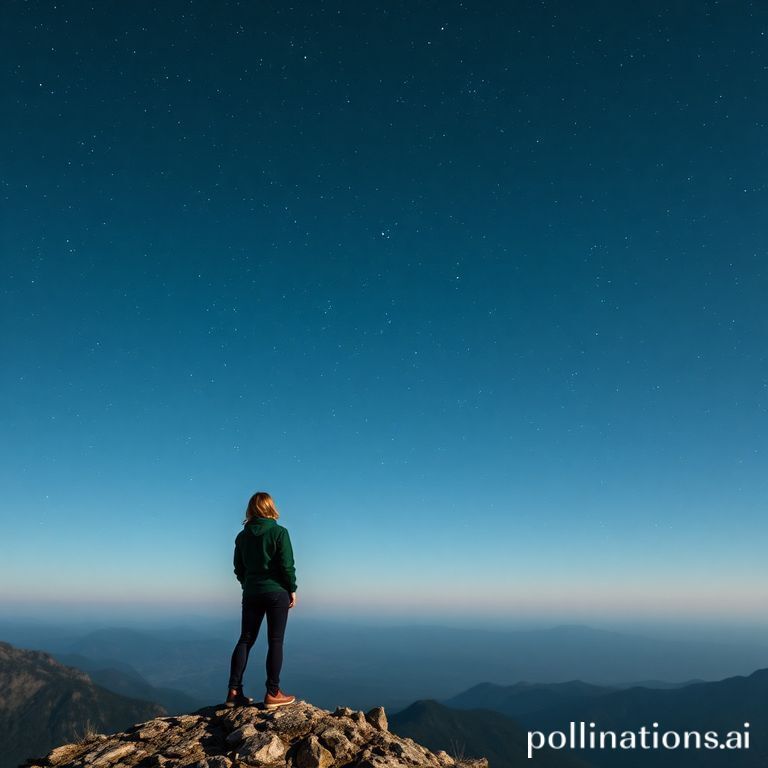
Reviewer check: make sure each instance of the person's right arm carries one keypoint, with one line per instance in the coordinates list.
(287, 565)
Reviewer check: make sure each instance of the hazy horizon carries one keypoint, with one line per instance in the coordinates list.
(365, 663)
(131, 614)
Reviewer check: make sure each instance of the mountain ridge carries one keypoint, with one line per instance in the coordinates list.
(124, 680)
(721, 706)
(43, 702)
(496, 736)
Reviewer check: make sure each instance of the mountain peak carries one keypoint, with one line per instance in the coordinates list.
(299, 735)
(45, 703)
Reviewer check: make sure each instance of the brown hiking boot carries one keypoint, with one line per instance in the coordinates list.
(237, 700)
(279, 699)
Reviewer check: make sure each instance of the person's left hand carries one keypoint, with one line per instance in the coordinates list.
(293, 600)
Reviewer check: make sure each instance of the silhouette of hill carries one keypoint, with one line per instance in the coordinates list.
(475, 732)
(659, 683)
(123, 679)
(523, 697)
(721, 706)
(43, 703)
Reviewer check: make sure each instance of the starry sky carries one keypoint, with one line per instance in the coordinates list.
(474, 290)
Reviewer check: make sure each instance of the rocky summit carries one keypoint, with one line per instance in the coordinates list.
(299, 735)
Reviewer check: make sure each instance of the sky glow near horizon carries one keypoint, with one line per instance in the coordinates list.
(476, 293)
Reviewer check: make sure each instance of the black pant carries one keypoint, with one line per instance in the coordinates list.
(275, 606)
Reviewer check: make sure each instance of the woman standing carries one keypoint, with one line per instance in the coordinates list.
(264, 566)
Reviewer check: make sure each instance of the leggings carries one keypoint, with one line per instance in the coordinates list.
(275, 606)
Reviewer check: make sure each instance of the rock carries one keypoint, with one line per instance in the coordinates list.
(241, 734)
(377, 718)
(183, 750)
(66, 753)
(113, 753)
(352, 734)
(219, 761)
(262, 749)
(337, 743)
(379, 761)
(299, 735)
(152, 729)
(185, 720)
(359, 718)
(312, 754)
(294, 722)
(412, 753)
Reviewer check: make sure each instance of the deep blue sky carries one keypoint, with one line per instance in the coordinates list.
(475, 290)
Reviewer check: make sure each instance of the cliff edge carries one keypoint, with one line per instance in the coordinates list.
(299, 735)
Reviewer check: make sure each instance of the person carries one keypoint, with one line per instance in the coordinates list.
(264, 567)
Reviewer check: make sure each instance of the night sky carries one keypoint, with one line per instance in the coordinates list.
(475, 290)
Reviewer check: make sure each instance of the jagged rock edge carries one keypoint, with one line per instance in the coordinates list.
(298, 736)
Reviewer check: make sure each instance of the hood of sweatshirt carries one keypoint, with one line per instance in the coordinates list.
(260, 525)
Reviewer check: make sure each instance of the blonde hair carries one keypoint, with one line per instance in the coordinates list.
(261, 505)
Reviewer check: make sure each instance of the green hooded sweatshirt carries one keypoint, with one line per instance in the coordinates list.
(264, 558)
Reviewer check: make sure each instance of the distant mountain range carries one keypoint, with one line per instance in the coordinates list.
(361, 666)
(475, 733)
(121, 678)
(524, 698)
(44, 703)
(720, 706)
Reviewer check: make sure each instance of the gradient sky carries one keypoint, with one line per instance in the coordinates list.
(475, 290)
